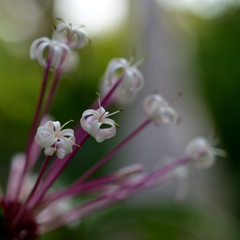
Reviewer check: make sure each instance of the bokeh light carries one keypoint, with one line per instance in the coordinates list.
(99, 17)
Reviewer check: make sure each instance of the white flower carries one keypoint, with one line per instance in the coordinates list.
(202, 153)
(74, 38)
(58, 52)
(131, 83)
(92, 120)
(53, 139)
(158, 109)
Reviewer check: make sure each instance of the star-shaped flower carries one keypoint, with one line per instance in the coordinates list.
(53, 139)
(92, 120)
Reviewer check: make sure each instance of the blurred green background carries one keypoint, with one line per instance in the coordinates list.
(209, 32)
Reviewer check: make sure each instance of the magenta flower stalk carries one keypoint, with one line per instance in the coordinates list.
(31, 207)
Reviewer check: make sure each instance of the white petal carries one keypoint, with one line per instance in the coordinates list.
(89, 112)
(40, 56)
(49, 151)
(93, 130)
(67, 132)
(45, 130)
(108, 121)
(127, 81)
(49, 124)
(81, 40)
(71, 140)
(85, 125)
(61, 153)
(67, 53)
(39, 138)
(34, 46)
(138, 79)
(113, 66)
(66, 145)
(56, 57)
(61, 27)
(47, 142)
(57, 126)
(105, 134)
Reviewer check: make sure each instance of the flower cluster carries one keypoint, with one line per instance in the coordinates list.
(32, 209)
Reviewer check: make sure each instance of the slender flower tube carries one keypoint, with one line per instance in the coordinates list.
(158, 109)
(58, 51)
(53, 139)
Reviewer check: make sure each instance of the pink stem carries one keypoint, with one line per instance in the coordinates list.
(37, 111)
(105, 159)
(1, 193)
(81, 131)
(109, 94)
(34, 125)
(52, 93)
(97, 184)
(39, 178)
(108, 200)
(55, 173)
(104, 102)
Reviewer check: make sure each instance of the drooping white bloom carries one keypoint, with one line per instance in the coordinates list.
(159, 110)
(131, 83)
(92, 120)
(74, 38)
(202, 153)
(53, 139)
(58, 53)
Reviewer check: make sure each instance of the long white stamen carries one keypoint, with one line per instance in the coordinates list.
(132, 57)
(220, 152)
(66, 124)
(99, 101)
(140, 61)
(115, 112)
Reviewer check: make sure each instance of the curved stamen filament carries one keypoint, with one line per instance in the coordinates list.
(66, 124)
(175, 98)
(140, 61)
(132, 56)
(99, 101)
(115, 112)
(102, 115)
